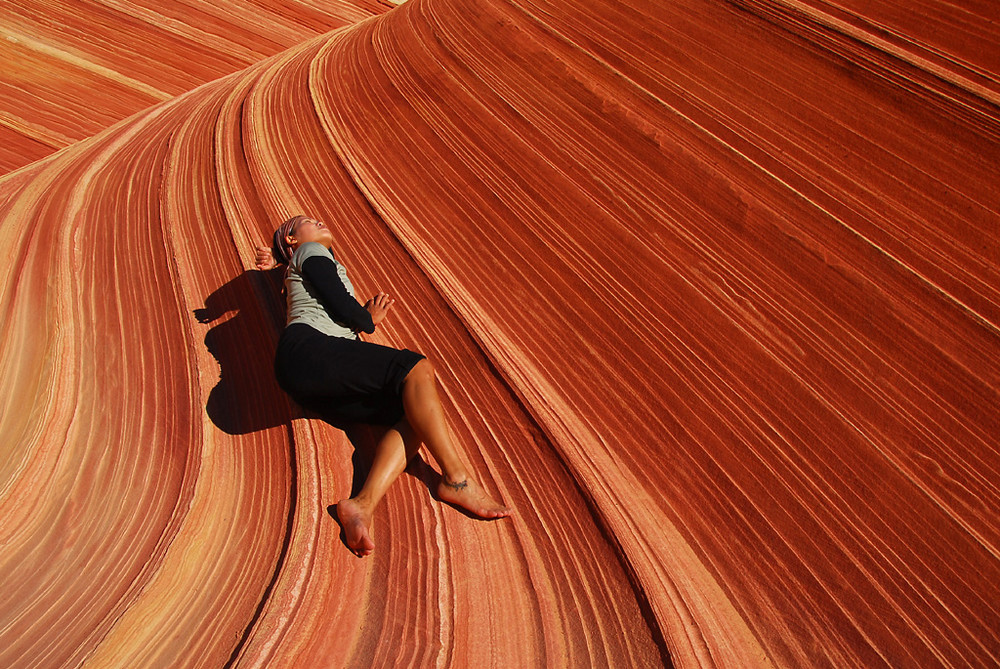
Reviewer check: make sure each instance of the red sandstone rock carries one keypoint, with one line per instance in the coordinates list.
(73, 68)
(712, 288)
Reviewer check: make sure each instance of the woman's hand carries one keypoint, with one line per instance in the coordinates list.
(378, 306)
(265, 261)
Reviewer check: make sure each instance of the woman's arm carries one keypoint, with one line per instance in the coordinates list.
(322, 274)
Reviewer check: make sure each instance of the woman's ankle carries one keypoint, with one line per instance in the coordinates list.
(458, 481)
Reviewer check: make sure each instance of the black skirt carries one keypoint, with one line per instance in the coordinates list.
(343, 380)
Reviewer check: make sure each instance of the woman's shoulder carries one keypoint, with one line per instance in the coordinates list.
(309, 250)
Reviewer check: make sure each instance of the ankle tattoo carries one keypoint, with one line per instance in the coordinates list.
(459, 486)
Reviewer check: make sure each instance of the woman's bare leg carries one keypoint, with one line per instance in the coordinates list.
(425, 415)
(396, 447)
(424, 422)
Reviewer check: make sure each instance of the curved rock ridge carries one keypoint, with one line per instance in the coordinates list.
(73, 68)
(712, 288)
(942, 49)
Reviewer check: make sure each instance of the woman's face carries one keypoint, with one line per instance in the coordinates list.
(310, 230)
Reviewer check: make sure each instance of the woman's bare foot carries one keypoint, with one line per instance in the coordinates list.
(468, 495)
(355, 519)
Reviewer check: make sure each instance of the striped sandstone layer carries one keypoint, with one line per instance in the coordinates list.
(73, 68)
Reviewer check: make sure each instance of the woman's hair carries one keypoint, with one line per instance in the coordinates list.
(280, 248)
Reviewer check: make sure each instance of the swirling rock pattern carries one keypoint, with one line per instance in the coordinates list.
(73, 68)
(712, 287)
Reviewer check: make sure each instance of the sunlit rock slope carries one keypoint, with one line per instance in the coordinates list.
(72, 68)
(712, 287)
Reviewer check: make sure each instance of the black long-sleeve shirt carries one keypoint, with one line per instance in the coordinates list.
(341, 305)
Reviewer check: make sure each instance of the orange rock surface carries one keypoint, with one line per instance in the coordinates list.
(74, 67)
(712, 288)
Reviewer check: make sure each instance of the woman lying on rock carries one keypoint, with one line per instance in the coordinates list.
(325, 367)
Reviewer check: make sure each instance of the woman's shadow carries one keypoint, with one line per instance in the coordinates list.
(247, 317)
